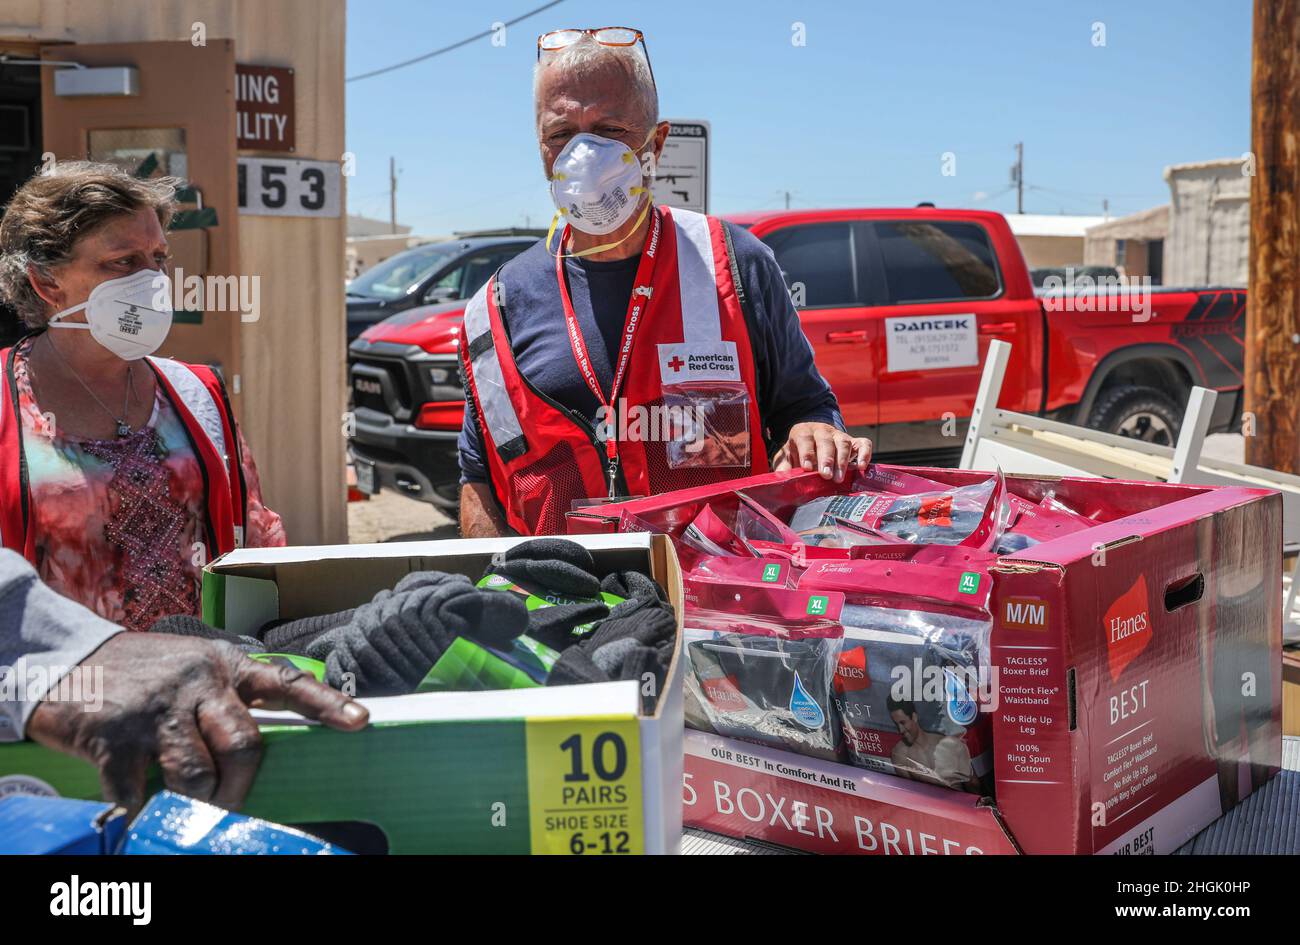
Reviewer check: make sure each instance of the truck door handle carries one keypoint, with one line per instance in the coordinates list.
(846, 337)
(997, 328)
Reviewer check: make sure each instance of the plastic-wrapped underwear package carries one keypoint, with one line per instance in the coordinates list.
(972, 516)
(762, 664)
(1032, 523)
(913, 688)
(716, 533)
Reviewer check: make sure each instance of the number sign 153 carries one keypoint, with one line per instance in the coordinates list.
(272, 187)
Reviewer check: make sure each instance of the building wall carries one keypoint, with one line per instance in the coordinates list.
(1100, 250)
(1209, 225)
(1041, 251)
(1138, 230)
(292, 371)
(367, 251)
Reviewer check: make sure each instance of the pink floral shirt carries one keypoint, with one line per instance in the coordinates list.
(120, 524)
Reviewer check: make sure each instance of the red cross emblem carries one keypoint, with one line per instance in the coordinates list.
(676, 364)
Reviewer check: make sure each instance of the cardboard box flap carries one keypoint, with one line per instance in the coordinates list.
(243, 558)
(611, 699)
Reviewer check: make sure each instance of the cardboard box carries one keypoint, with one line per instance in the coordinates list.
(556, 770)
(1138, 669)
(741, 789)
(37, 824)
(175, 825)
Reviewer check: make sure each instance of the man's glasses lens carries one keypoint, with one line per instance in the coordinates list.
(616, 36)
(607, 35)
(559, 39)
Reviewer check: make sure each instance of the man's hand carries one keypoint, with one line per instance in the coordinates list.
(182, 702)
(823, 447)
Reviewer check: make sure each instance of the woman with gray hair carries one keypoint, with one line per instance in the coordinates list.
(121, 474)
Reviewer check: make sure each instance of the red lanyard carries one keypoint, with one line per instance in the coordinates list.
(636, 309)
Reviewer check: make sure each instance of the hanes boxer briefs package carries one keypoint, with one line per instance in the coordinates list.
(913, 688)
(762, 664)
(1135, 647)
(971, 515)
(1035, 522)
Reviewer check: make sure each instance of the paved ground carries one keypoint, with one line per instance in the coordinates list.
(391, 516)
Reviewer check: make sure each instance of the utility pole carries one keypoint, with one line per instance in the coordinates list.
(1020, 177)
(1272, 383)
(392, 194)
(787, 200)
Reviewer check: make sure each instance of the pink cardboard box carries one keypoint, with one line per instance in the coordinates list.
(1138, 682)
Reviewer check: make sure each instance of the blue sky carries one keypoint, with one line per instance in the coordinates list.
(859, 116)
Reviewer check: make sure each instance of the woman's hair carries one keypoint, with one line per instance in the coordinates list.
(58, 207)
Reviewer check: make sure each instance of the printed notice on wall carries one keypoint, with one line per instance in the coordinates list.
(931, 342)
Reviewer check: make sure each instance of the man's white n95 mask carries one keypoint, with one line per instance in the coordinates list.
(596, 183)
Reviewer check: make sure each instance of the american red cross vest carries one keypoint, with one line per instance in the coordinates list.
(199, 398)
(541, 455)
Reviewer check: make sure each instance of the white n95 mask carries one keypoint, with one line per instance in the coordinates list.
(596, 183)
(130, 316)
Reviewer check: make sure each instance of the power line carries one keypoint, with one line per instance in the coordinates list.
(990, 197)
(1080, 193)
(456, 45)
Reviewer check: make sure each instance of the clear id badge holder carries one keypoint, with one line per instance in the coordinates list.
(705, 405)
(708, 424)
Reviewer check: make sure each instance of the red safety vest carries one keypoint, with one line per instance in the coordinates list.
(541, 456)
(199, 398)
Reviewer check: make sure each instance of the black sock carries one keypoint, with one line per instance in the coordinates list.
(554, 626)
(554, 565)
(573, 668)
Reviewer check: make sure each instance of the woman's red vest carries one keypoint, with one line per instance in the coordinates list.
(199, 398)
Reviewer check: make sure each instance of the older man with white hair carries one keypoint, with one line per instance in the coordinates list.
(644, 349)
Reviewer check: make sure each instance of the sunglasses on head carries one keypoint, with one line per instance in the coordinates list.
(556, 40)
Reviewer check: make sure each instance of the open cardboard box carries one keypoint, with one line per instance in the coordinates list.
(1138, 677)
(569, 769)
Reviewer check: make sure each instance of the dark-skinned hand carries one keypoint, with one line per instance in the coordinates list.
(181, 702)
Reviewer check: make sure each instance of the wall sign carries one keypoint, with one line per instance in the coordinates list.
(271, 187)
(264, 111)
(682, 176)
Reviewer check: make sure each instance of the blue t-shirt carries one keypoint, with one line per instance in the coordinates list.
(790, 388)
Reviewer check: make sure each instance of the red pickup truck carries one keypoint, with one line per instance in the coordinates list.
(900, 306)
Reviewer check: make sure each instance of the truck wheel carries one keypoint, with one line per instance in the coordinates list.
(1141, 413)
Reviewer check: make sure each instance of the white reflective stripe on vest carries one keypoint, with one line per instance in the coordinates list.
(698, 278)
(198, 400)
(493, 398)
